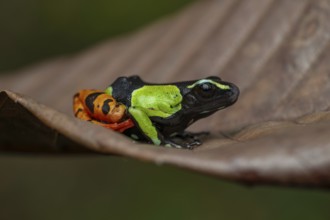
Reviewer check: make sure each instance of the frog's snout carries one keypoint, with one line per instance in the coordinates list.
(233, 93)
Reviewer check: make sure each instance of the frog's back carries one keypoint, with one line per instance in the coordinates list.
(123, 87)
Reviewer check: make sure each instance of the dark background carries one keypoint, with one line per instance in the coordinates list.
(106, 187)
(32, 30)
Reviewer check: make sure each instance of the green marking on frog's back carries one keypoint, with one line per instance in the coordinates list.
(157, 100)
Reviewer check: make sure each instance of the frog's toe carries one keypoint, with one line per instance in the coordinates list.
(188, 143)
(191, 145)
(172, 144)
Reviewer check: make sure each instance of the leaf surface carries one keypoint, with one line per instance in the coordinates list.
(277, 132)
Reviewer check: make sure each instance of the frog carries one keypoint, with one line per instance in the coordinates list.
(155, 113)
(161, 112)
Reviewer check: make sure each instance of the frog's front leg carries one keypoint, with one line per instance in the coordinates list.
(146, 126)
(148, 129)
(188, 140)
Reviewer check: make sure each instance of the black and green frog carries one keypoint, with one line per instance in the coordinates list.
(161, 112)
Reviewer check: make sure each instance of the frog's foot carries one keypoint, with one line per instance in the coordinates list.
(186, 140)
(182, 143)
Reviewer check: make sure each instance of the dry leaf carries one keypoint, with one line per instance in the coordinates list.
(278, 54)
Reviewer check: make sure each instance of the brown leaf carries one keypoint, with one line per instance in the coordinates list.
(278, 55)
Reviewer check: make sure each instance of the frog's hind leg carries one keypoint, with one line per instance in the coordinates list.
(121, 126)
(81, 111)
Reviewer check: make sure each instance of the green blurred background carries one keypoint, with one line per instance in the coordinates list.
(103, 187)
(32, 30)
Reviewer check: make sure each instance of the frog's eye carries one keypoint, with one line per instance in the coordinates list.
(206, 90)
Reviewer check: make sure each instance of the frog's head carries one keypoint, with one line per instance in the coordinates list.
(206, 96)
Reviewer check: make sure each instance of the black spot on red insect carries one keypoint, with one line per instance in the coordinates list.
(106, 107)
(89, 101)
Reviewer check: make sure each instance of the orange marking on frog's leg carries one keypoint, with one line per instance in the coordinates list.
(125, 125)
(107, 109)
(101, 109)
(79, 109)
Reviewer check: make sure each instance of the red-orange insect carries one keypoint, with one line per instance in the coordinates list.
(102, 109)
